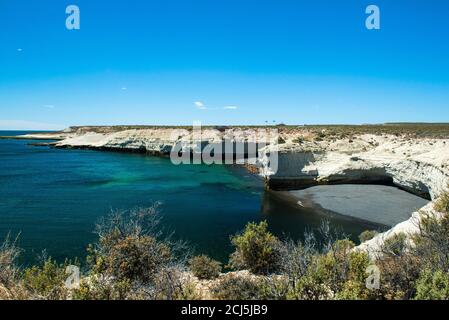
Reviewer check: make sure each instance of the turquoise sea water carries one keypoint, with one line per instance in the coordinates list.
(53, 198)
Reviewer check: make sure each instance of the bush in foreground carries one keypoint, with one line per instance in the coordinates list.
(10, 280)
(233, 287)
(128, 247)
(367, 235)
(442, 203)
(432, 286)
(46, 281)
(336, 274)
(204, 267)
(256, 250)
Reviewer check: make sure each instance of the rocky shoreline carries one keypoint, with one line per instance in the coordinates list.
(306, 157)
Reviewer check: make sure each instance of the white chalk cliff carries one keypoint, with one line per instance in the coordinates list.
(420, 166)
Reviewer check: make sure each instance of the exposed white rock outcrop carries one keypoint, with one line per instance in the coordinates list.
(417, 165)
(408, 227)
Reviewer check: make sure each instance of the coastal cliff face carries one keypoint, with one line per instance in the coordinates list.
(306, 158)
(419, 166)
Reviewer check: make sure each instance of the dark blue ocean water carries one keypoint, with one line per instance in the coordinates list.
(53, 198)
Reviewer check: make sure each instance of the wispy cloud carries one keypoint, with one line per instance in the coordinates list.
(124, 88)
(19, 49)
(200, 105)
(49, 106)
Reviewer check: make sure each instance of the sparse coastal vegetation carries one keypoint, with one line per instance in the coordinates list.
(132, 259)
(410, 130)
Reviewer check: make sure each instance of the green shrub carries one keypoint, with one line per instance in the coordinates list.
(297, 257)
(399, 268)
(187, 291)
(47, 281)
(354, 283)
(433, 286)
(129, 247)
(171, 284)
(333, 267)
(367, 235)
(232, 287)
(274, 287)
(309, 287)
(299, 140)
(256, 249)
(339, 273)
(131, 260)
(10, 288)
(9, 253)
(442, 204)
(353, 290)
(395, 245)
(204, 267)
(358, 264)
(134, 258)
(100, 288)
(432, 243)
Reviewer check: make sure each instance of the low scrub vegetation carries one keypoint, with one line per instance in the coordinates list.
(367, 235)
(256, 250)
(233, 287)
(442, 204)
(132, 259)
(412, 130)
(204, 267)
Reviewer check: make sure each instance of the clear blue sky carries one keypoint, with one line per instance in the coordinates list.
(222, 62)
